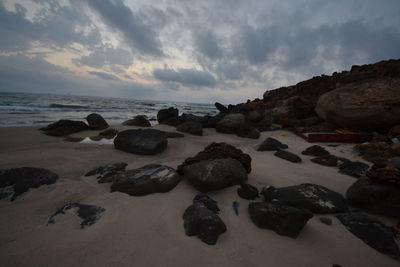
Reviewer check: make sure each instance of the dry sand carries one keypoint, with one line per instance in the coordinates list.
(148, 231)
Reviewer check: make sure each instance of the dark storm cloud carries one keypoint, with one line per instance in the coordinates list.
(104, 75)
(120, 17)
(206, 42)
(186, 77)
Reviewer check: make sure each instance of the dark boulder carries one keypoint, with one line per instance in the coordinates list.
(284, 220)
(271, 144)
(96, 122)
(109, 133)
(219, 151)
(368, 195)
(88, 214)
(105, 173)
(211, 121)
(207, 201)
(169, 116)
(372, 232)
(315, 198)
(389, 175)
(151, 178)
(289, 156)
(316, 151)
(230, 123)
(64, 127)
(191, 127)
(191, 118)
(221, 107)
(248, 132)
(329, 160)
(352, 168)
(204, 223)
(18, 180)
(215, 174)
(247, 191)
(139, 120)
(141, 141)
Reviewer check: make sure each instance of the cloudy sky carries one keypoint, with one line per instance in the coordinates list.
(193, 51)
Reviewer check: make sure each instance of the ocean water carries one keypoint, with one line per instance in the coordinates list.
(23, 109)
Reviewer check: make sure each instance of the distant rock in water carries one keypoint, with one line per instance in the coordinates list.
(139, 120)
(17, 181)
(88, 214)
(96, 122)
(64, 127)
(141, 141)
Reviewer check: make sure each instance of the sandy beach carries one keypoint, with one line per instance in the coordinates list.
(148, 230)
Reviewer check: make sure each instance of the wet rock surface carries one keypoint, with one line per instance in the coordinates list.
(96, 122)
(289, 156)
(200, 221)
(191, 127)
(247, 191)
(271, 144)
(219, 151)
(139, 120)
(282, 219)
(373, 232)
(64, 127)
(88, 214)
(316, 151)
(215, 174)
(141, 141)
(315, 198)
(106, 172)
(17, 181)
(151, 178)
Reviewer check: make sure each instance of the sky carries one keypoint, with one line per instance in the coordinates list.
(192, 51)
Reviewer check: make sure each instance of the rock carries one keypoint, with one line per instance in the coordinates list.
(173, 135)
(247, 191)
(368, 195)
(105, 173)
(301, 106)
(248, 131)
(96, 122)
(141, 141)
(265, 123)
(88, 214)
(17, 181)
(191, 127)
(191, 118)
(221, 107)
(325, 220)
(329, 160)
(207, 201)
(271, 144)
(395, 149)
(352, 168)
(395, 162)
(236, 206)
(151, 178)
(394, 131)
(139, 120)
(109, 133)
(316, 151)
(219, 151)
(288, 156)
(211, 121)
(284, 115)
(372, 150)
(284, 220)
(389, 175)
(372, 232)
(253, 116)
(64, 127)
(315, 198)
(230, 123)
(370, 105)
(215, 174)
(168, 116)
(202, 222)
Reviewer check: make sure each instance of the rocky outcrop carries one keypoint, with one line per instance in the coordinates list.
(139, 120)
(96, 122)
(370, 105)
(191, 127)
(315, 198)
(282, 219)
(141, 141)
(151, 178)
(64, 127)
(215, 174)
(16, 181)
(219, 151)
(202, 221)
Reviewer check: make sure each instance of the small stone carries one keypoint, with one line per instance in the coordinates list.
(287, 156)
(271, 144)
(329, 160)
(316, 151)
(247, 191)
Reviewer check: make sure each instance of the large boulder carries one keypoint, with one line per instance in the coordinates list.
(64, 127)
(191, 127)
(230, 123)
(284, 220)
(201, 220)
(368, 195)
(315, 198)
(151, 178)
(219, 151)
(215, 174)
(138, 120)
(96, 122)
(16, 181)
(372, 232)
(169, 116)
(370, 105)
(141, 141)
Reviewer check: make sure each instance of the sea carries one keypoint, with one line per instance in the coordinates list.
(27, 109)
